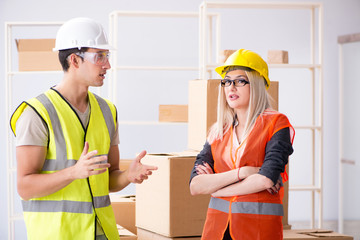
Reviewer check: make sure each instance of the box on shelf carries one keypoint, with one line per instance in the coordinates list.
(37, 55)
(277, 57)
(173, 113)
(124, 211)
(224, 54)
(148, 235)
(203, 97)
(164, 204)
(125, 234)
(321, 234)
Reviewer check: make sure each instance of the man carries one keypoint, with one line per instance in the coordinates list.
(67, 145)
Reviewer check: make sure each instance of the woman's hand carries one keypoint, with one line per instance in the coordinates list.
(204, 169)
(275, 189)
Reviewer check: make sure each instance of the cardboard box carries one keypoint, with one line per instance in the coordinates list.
(37, 55)
(224, 54)
(164, 204)
(277, 56)
(124, 164)
(203, 98)
(147, 235)
(125, 234)
(124, 211)
(320, 234)
(273, 92)
(173, 113)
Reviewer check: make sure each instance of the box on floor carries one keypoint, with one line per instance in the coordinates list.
(124, 211)
(37, 55)
(164, 204)
(321, 234)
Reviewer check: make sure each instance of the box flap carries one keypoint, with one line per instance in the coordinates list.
(122, 198)
(29, 45)
(175, 154)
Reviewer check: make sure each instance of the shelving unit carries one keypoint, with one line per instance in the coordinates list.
(205, 56)
(9, 73)
(113, 39)
(346, 44)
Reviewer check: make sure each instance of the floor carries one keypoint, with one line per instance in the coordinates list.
(351, 228)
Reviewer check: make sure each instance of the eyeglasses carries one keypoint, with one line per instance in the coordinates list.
(236, 82)
(97, 58)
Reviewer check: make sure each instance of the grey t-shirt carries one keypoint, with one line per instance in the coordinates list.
(31, 130)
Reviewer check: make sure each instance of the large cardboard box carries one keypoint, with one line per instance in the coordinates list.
(37, 55)
(147, 235)
(124, 211)
(203, 97)
(164, 204)
(321, 234)
(173, 113)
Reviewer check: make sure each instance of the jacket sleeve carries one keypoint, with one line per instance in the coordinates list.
(277, 152)
(205, 156)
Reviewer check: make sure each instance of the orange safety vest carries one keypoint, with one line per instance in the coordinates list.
(252, 216)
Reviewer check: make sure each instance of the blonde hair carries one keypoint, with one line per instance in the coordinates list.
(259, 101)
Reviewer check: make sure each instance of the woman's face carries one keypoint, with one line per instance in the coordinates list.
(237, 97)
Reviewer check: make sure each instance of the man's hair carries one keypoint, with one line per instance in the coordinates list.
(63, 55)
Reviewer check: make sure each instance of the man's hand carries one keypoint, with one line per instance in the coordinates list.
(138, 172)
(88, 164)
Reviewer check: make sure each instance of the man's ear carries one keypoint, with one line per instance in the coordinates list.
(73, 60)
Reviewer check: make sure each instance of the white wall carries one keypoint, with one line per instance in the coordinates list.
(175, 41)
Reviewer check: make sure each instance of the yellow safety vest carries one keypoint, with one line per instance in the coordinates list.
(71, 212)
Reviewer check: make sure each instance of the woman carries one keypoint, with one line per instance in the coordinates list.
(246, 151)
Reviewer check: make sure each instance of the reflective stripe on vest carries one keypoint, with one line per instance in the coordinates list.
(65, 205)
(61, 160)
(247, 207)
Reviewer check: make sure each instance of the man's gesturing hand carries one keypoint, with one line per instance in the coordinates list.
(138, 172)
(88, 164)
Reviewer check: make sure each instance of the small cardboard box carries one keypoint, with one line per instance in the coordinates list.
(320, 234)
(37, 55)
(224, 54)
(124, 211)
(173, 113)
(164, 204)
(147, 235)
(124, 164)
(277, 57)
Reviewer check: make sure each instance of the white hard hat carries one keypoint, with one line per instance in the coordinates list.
(81, 32)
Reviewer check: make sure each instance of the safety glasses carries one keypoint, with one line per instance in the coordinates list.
(236, 82)
(97, 58)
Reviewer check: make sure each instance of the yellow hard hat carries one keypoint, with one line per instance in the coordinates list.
(246, 58)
